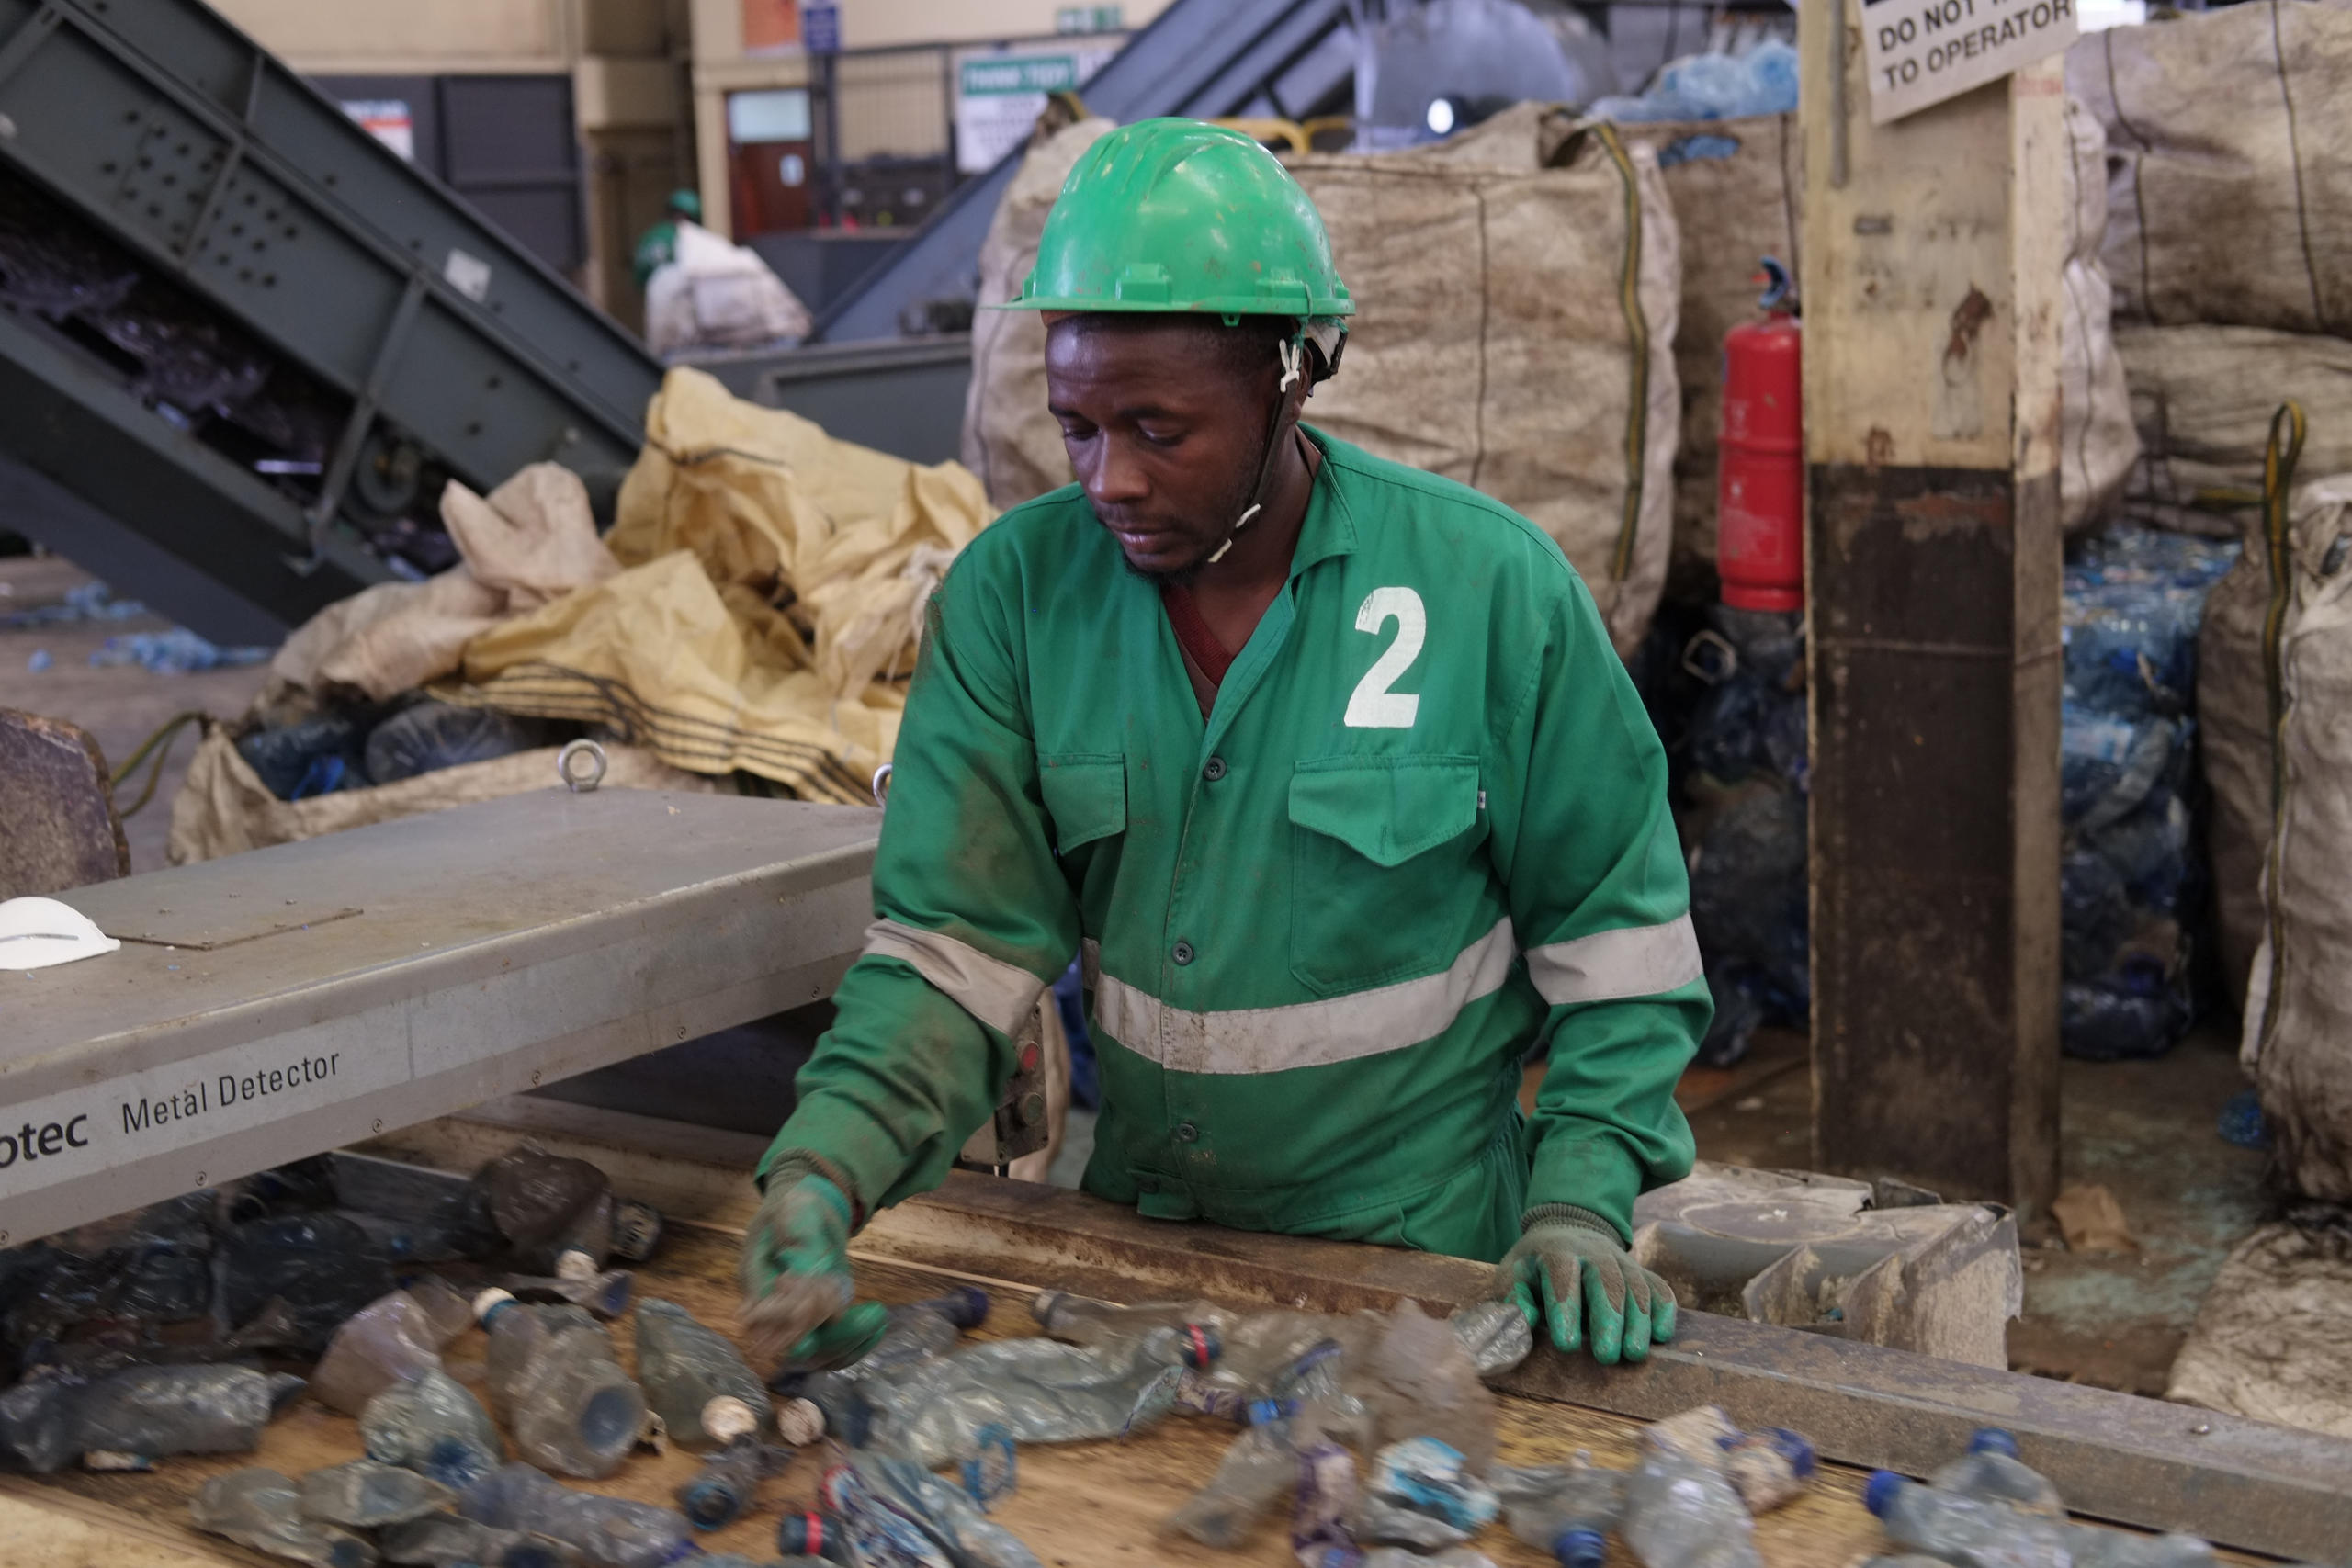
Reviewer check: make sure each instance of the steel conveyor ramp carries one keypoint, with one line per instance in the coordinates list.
(242, 343)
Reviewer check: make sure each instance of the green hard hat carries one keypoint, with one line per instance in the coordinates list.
(686, 203)
(1169, 215)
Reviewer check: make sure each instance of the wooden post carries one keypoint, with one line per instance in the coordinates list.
(1932, 250)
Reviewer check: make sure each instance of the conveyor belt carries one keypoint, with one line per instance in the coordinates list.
(276, 1004)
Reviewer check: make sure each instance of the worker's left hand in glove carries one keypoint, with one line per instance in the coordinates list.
(1571, 1277)
(799, 1308)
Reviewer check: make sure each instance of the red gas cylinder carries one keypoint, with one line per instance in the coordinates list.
(1759, 486)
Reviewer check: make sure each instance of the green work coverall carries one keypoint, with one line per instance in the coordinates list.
(1423, 827)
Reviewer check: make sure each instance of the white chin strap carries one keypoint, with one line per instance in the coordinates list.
(1294, 356)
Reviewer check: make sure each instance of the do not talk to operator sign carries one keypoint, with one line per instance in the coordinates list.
(1923, 52)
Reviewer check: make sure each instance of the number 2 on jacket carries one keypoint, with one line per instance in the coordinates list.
(1374, 706)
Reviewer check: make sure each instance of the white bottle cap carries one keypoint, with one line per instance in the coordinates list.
(489, 1299)
(726, 1419)
(573, 1264)
(800, 1422)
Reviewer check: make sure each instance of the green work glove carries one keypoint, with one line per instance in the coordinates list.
(1593, 1294)
(797, 1298)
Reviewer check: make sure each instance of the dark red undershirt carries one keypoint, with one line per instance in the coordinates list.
(1207, 657)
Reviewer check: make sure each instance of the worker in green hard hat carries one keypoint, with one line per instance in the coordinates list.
(1327, 768)
(658, 246)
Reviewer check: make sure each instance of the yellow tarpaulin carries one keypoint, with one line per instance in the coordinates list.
(768, 610)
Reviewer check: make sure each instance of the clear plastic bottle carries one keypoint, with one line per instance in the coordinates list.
(1451, 1557)
(720, 1491)
(321, 1266)
(155, 1411)
(576, 1281)
(1940, 1524)
(1036, 1391)
(607, 1533)
(36, 1421)
(1420, 1495)
(434, 1426)
(695, 1380)
(1326, 1499)
(555, 1383)
(917, 1332)
(1082, 1321)
(366, 1495)
(1567, 1510)
(1991, 1472)
(387, 1342)
(1259, 1466)
(450, 1541)
(1682, 1514)
(263, 1509)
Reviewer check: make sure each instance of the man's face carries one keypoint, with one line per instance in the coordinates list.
(1165, 430)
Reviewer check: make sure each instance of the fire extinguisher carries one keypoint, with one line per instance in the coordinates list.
(1760, 483)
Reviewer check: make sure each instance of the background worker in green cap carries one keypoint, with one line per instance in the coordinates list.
(658, 246)
(1324, 764)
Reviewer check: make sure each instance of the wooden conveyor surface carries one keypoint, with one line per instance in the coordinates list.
(1075, 1505)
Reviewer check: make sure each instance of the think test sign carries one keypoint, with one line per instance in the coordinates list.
(1923, 52)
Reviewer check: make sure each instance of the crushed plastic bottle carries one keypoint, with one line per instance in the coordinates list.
(156, 1411)
(323, 1266)
(554, 1382)
(433, 1425)
(389, 1341)
(1400, 1556)
(720, 1491)
(917, 1332)
(607, 1533)
(1419, 1494)
(1258, 1468)
(695, 1380)
(1682, 1514)
(263, 1509)
(1965, 1530)
(451, 1541)
(1497, 1335)
(1326, 1499)
(366, 1495)
(1567, 1510)
(579, 1285)
(898, 1514)
(1421, 1383)
(546, 1205)
(1767, 1467)
(1035, 1391)
(1991, 1472)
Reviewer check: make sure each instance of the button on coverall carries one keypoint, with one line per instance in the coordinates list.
(1436, 833)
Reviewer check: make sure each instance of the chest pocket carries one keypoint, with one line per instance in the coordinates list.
(1384, 867)
(1086, 799)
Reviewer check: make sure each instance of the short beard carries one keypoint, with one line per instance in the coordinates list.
(1244, 493)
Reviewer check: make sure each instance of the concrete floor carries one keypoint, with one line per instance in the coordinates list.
(2146, 1131)
(122, 706)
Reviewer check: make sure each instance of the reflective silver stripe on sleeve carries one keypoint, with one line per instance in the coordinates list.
(1607, 966)
(1000, 995)
(1302, 1034)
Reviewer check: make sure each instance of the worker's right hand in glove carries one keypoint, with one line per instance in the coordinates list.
(1591, 1293)
(797, 1298)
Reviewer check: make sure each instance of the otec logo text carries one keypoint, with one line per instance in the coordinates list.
(31, 1143)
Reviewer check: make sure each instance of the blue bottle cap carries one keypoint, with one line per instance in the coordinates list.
(707, 1504)
(1881, 1493)
(1992, 1441)
(1794, 1446)
(1581, 1549)
(1261, 1411)
(965, 1306)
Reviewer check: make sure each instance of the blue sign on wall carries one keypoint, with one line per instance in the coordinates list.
(820, 28)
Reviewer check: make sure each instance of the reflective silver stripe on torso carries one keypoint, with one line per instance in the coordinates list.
(1000, 995)
(1302, 1035)
(1609, 966)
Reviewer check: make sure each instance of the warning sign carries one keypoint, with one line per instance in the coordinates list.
(1923, 52)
